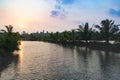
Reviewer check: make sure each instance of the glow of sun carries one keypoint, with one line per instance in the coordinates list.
(21, 25)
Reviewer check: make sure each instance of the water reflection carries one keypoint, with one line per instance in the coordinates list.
(40, 60)
(110, 63)
(6, 60)
(96, 64)
(9, 59)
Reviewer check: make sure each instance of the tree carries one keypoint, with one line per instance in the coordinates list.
(65, 36)
(73, 35)
(10, 39)
(107, 29)
(9, 30)
(85, 31)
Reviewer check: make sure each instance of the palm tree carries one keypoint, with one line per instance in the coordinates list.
(73, 35)
(85, 31)
(10, 39)
(9, 30)
(108, 29)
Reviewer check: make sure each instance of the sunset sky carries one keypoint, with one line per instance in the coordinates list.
(56, 15)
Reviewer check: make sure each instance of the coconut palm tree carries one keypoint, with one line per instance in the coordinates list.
(9, 30)
(10, 39)
(108, 29)
(73, 35)
(85, 31)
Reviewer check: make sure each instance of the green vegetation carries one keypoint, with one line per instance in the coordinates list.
(107, 31)
(85, 32)
(9, 40)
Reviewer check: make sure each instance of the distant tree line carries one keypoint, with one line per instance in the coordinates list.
(9, 40)
(107, 30)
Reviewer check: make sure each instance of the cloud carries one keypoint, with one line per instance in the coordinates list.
(114, 12)
(58, 10)
(55, 13)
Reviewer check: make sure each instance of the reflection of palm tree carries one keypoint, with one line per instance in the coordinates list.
(107, 29)
(85, 31)
(9, 29)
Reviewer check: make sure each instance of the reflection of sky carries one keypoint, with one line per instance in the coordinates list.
(53, 15)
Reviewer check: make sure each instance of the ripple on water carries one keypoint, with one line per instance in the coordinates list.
(40, 60)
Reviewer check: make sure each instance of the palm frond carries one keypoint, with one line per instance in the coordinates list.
(81, 28)
(3, 31)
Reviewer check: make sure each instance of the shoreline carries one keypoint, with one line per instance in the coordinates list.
(113, 47)
(93, 45)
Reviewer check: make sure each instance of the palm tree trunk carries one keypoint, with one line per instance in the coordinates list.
(107, 40)
(86, 41)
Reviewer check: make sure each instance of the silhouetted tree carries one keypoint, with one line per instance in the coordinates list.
(108, 29)
(10, 39)
(85, 31)
(9, 30)
(73, 35)
(96, 35)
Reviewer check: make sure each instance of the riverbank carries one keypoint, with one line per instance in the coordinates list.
(113, 47)
(94, 45)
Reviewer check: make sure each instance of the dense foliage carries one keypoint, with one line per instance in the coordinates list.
(107, 31)
(9, 40)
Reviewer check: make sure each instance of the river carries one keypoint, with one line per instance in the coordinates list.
(48, 61)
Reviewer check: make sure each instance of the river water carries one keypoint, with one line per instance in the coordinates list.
(48, 61)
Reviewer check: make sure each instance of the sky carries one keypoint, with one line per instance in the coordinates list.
(56, 15)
